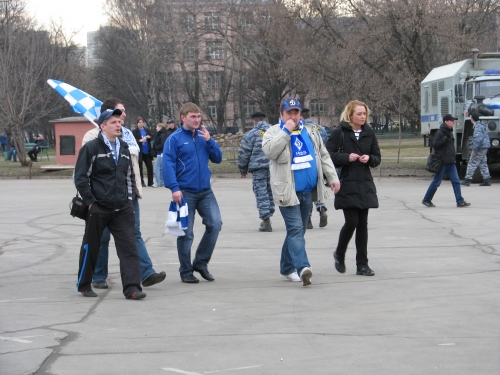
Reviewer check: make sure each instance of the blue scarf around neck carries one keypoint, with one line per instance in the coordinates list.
(115, 155)
(300, 153)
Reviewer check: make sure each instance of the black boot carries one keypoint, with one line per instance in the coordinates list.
(486, 182)
(465, 182)
(323, 217)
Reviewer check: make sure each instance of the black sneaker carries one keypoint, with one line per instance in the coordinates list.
(339, 266)
(137, 295)
(101, 284)
(155, 278)
(190, 279)
(309, 223)
(365, 271)
(428, 203)
(463, 204)
(88, 293)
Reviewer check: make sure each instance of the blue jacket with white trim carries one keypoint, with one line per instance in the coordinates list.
(185, 161)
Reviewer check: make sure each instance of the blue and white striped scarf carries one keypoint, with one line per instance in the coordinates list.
(129, 139)
(115, 155)
(177, 219)
(300, 153)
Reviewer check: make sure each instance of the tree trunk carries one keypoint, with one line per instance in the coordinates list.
(18, 140)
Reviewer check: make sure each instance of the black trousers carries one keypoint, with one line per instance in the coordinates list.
(355, 219)
(33, 153)
(121, 224)
(148, 160)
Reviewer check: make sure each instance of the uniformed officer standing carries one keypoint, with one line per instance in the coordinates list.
(252, 159)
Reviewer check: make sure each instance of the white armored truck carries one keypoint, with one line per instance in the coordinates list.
(459, 89)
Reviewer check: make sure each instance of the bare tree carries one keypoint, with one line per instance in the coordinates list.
(28, 57)
(396, 43)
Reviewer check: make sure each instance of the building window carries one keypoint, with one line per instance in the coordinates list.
(187, 21)
(318, 107)
(249, 108)
(247, 51)
(214, 50)
(189, 52)
(212, 20)
(212, 109)
(67, 145)
(246, 20)
(214, 80)
(244, 79)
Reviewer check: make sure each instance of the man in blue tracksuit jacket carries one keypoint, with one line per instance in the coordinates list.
(185, 172)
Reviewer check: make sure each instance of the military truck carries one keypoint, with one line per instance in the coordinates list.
(459, 89)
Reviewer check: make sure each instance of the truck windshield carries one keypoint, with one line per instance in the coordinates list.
(488, 88)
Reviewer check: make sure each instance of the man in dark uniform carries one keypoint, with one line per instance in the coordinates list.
(252, 159)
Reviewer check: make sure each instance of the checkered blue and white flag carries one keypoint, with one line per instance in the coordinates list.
(80, 101)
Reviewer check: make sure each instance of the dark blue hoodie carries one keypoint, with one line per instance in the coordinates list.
(185, 161)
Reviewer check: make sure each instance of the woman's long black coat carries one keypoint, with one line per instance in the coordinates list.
(357, 189)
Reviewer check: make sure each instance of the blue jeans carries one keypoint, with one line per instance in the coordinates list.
(451, 171)
(157, 169)
(101, 268)
(293, 252)
(205, 203)
(12, 154)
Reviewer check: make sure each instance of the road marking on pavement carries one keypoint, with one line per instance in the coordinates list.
(180, 371)
(232, 369)
(23, 299)
(15, 339)
(448, 344)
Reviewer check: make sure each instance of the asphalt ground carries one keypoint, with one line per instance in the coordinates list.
(433, 306)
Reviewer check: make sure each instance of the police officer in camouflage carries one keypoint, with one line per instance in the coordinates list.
(320, 207)
(252, 159)
(478, 157)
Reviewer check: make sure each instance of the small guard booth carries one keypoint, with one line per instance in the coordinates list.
(69, 134)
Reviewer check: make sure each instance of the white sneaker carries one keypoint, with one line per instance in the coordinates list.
(155, 185)
(306, 276)
(291, 277)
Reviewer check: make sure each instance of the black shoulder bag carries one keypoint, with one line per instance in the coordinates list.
(77, 207)
(433, 164)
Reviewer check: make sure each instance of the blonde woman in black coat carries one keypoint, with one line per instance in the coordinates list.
(357, 194)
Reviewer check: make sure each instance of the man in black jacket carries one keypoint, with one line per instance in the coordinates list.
(444, 148)
(105, 179)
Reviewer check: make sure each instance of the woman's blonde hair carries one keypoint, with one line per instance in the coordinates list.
(349, 110)
(161, 125)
